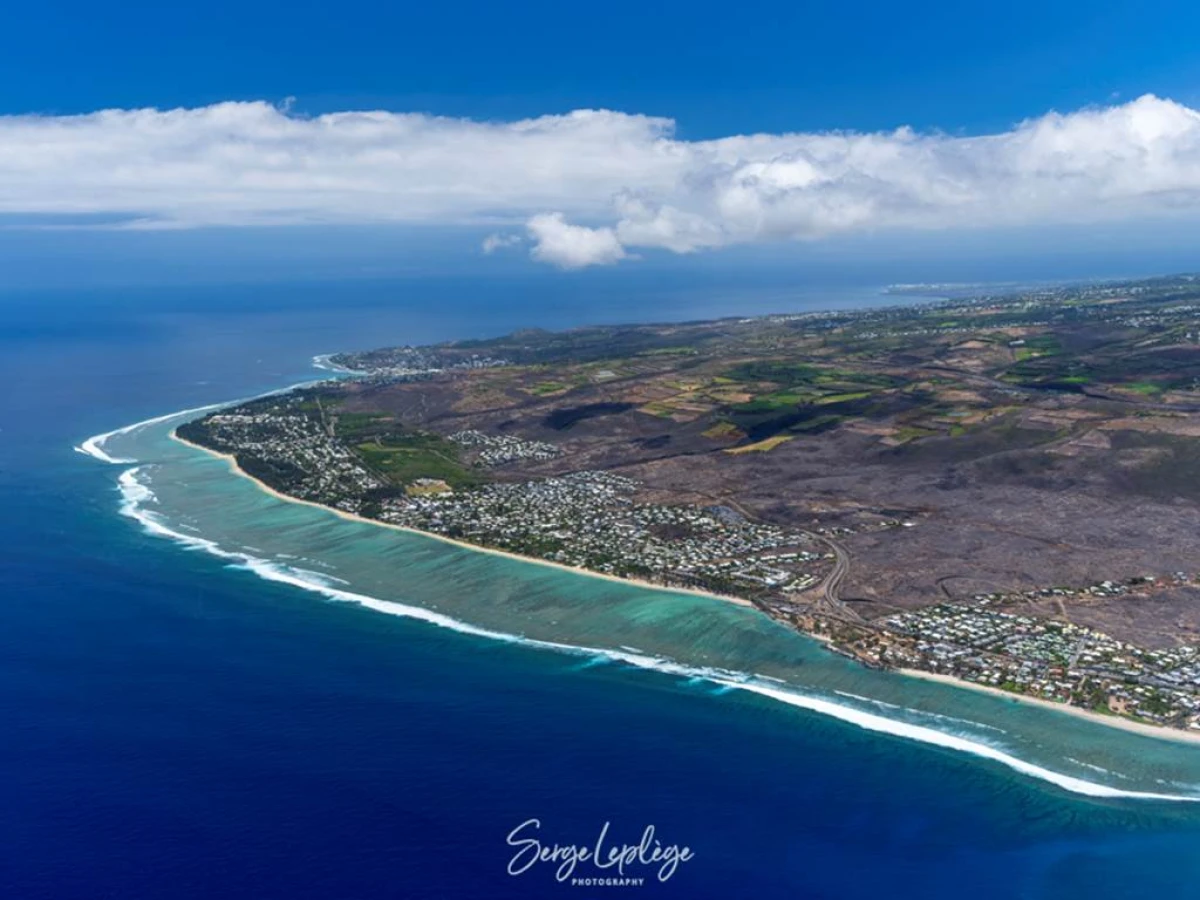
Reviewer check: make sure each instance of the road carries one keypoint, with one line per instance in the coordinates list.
(828, 588)
(833, 581)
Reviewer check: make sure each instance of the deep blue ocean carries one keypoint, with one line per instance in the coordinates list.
(175, 728)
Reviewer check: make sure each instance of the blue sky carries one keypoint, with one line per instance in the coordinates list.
(715, 68)
(663, 184)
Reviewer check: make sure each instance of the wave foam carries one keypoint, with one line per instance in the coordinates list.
(926, 735)
(882, 704)
(136, 495)
(325, 361)
(94, 446)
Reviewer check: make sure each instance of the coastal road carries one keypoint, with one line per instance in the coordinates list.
(832, 584)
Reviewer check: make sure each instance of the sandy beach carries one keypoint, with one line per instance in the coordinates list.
(266, 488)
(1113, 721)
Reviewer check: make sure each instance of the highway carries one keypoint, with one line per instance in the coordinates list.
(829, 588)
(833, 581)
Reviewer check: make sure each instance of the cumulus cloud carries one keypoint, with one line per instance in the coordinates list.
(572, 246)
(626, 176)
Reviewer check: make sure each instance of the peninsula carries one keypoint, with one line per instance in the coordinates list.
(999, 489)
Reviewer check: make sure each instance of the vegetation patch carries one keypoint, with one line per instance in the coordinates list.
(840, 398)
(407, 459)
(427, 487)
(784, 373)
(354, 424)
(760, 446)
(908, 433)
(817, 424)
(724, 431)
(669, 351)
(658, 408)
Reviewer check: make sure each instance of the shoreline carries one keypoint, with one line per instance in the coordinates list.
(1155, 731)
(354, 517)
(1112, 721)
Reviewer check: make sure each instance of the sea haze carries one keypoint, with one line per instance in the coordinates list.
(180, 726)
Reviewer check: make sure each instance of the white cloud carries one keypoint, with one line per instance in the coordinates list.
(494, 242)
(246, 164)
(572, 246)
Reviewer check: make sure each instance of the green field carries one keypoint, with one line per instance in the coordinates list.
(404, 464)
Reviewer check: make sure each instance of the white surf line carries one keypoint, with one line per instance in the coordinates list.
(94, 446)
(922, 712)
(924, 734)
(136, 494)
(324, 361)
(1095, 768)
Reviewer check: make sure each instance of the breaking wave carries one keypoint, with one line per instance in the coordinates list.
(325, 361)
(882, 704)
(94, 446)
(926, 735)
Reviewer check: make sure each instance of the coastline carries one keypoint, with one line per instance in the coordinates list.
(353, 517)
(1113, 721)
(1175, 735)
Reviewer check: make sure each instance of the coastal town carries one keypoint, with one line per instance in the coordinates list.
(588, 520)
(498, 450)
(604, 462)
(1041, 658)
(280, 444)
